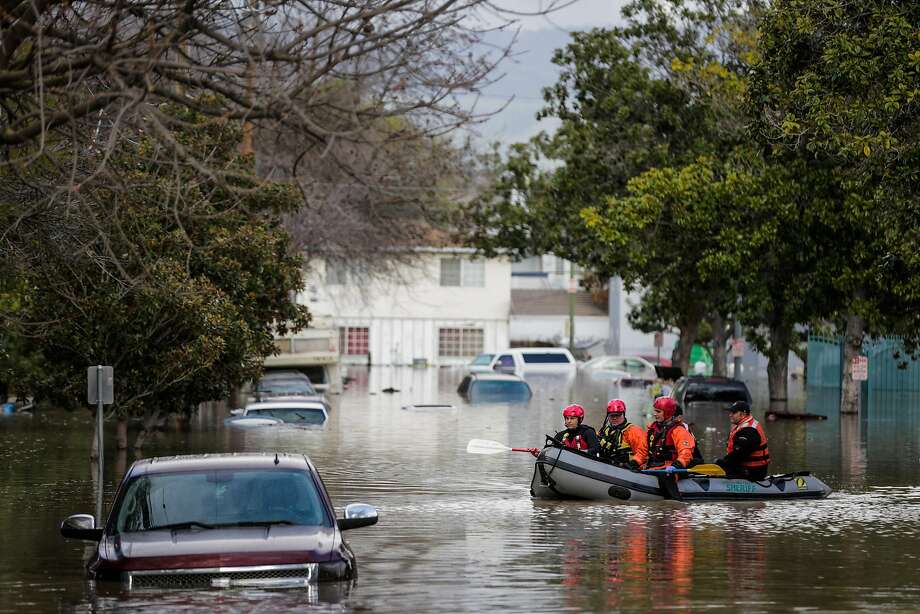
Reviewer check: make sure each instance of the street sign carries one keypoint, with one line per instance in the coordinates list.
(860, 368)
(737, 347)
(107, 379)
(573, 285)
(659, 339)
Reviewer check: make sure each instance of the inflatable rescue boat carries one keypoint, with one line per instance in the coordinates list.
(563, 473)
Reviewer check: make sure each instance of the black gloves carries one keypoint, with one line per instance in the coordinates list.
(678, 465)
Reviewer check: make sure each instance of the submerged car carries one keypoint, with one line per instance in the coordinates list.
(481, 364)
(534, 361)
(712, 390)
(494, 388)
(301, 411)
(221, 520)
(624, 369)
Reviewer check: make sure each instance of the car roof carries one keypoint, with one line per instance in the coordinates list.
(533, 350)
(288, 403)
(507, 377)
(714, 379)
(213, 462)
(285, 375)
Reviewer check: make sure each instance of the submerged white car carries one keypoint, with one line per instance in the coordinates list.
(292, 410)
(619, 368)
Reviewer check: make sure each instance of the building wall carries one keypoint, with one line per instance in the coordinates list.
(588, 329)
(403, 313)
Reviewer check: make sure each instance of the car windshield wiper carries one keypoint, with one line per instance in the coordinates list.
(181, 525)
(257, 523)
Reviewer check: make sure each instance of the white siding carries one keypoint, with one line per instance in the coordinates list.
(403, 315)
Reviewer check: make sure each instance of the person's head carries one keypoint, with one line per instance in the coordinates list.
(738, 411)
(664, 408)
(616, 412)
(573, 415)
(679, 413)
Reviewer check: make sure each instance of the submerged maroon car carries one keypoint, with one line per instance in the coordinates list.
(221, 520)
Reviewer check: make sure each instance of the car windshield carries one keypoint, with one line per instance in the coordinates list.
(499, 391)
(286, 388)
(297, 415)
(546, 358)
(209, 499)
(727, 392)
(483, 359)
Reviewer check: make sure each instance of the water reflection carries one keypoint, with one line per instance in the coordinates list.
(461, 531)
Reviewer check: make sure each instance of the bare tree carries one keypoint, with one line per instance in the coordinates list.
(362, 93)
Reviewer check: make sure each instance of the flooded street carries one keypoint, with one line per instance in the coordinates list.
(460, 532)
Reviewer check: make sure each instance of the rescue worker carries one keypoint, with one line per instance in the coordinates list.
(670, 443)
(697, 455)
(621, 442)
(577, 435)
(747, 454)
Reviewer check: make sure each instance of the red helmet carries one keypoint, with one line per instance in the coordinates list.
(573, 410)
(616, 406)
(667, 405)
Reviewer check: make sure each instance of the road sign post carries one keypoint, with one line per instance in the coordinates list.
(860, 368)
(99, 390)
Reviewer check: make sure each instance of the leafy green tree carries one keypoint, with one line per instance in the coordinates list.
(656, 93)
(839, 86)
(185, 290)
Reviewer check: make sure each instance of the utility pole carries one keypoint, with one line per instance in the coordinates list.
(736, 350)
(614, 288)
(573, 288)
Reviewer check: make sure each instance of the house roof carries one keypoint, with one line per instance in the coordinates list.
(552, 303)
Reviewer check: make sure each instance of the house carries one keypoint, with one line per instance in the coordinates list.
(441, 309)
(540, 311)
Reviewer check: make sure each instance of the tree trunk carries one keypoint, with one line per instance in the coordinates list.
(688, 330)
(121, 433)
(152, 421)
(852, 345)
(719, 339)
(778, 368)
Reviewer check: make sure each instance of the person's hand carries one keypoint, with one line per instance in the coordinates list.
(633, 465)
(678, 465)
(670, 469)
(535, 452)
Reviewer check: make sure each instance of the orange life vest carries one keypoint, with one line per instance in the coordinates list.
(760, 457)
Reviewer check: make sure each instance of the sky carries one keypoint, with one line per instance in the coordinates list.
(530, 70)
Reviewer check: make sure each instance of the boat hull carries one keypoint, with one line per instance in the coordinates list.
(560, 473)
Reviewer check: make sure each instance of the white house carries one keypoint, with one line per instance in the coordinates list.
(540, 311)
(444, 309)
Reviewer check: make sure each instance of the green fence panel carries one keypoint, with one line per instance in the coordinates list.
(890, 367)
(823, 366)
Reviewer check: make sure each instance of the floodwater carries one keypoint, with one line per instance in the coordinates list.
(460, 533)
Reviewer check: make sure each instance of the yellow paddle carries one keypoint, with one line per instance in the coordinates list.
(710, 470)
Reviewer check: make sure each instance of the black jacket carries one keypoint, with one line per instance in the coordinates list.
(588, 434)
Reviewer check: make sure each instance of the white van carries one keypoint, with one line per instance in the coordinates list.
(524, 361)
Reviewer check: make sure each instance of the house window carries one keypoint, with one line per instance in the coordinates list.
(474, 273)
(467, 273)
(450, 272)
(460, 341)
(353, 340)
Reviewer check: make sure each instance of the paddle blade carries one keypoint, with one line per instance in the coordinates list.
(710, 470)
(484, 446)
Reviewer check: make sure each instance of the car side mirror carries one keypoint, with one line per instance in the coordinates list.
(81, 526)
(237, 412)
(357, 515)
